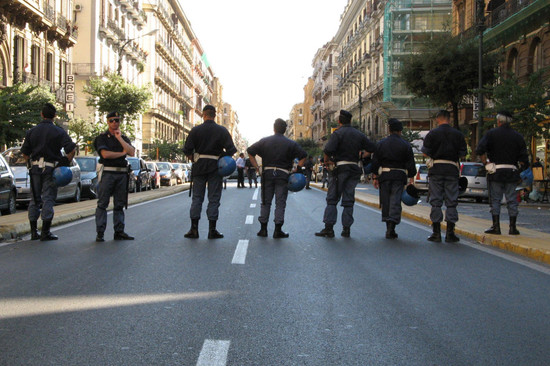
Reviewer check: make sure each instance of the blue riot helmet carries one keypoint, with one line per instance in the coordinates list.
(526, 178)
(226, 166)
(62, 175)
(410, 195)
(296, 182)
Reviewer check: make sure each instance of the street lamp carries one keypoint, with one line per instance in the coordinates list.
(480, 29)
(119, 68)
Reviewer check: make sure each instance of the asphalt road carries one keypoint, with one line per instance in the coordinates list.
(244, 300)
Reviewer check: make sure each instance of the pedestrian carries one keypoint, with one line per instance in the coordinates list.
(392, 164)
(324, 177)
(444, 146)
(42, 150)
(342, 153)
(112, 147)
(278, 154)
(240, 171)
(205, 144)
(308, 170)
(501, 149)
(251, 173)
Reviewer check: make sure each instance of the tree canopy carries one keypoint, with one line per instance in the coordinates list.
(310, 146)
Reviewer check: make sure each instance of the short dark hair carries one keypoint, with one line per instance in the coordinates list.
(209, 111)
(49, 111)
(443, 114)
(280, 125)
(345, 117)
(395, 125)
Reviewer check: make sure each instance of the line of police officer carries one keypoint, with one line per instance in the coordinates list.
(501, 149)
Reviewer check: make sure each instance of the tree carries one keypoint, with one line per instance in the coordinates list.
(445, 71)
(115, 94)
(310, 146)
(20, 108)
(530, 103)
(81, 131)
(169, 151)
(411, 136)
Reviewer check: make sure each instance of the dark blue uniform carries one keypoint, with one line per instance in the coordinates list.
(343, 148)
(113, 183)
(277, 152)
(44, 141)
(396, 155)
(214, 140)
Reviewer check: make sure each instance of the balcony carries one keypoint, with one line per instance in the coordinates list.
(515, 18)
(506, 10)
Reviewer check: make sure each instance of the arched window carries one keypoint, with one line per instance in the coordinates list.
(535, 56)
(3, 80)
(512, 63)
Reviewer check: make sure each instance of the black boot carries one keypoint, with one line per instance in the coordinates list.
(513, 229)
(121, 235)
(346, 232)
(327, 232)
(279, 233)
(495, 229)
(34, 230)
(99, 237)
(193, 233)
(46, 235)
(436, 234)
(212, 232)
(390, 230)
(450, 236)
(263, 230)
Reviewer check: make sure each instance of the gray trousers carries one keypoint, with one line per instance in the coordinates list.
(277, 187)
(390, 200)
(112, 184)
(443, 188)
(215, 185)
(46, 192)
(341, 186)
(508, 190)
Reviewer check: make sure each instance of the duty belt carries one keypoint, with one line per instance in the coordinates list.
(505, 166)
(41, 163)
(385, 170)
(344, 162)
(442, 161)
(115, 169)
(275, 168)
(213, 157)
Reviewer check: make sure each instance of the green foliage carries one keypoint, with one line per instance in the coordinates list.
(20, 108)
(310, 146)
(81, 131)
(446, 70)
(411, 136)
(530, 104)
(167, 151)
(115, 94)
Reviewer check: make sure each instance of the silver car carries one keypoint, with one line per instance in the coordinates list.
(421, 178)
(477, 180)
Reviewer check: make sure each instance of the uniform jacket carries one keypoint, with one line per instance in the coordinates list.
(345, 144)
(445, 143)
(277, 151)
(106, 141)
(45, 140)
(394, 152)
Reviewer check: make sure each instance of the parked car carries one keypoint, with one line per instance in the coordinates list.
(477, 180)
(167, 175)
(8, 190)
(17, 163)
(154, 174)
(421, 178)
(88, 175)
(179, 169)
(141, 172)
(189, 171)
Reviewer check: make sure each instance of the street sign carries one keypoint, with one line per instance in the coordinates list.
(475, 107)
(70, 88)
(69, 98)
(69, 79)
(69, 91)
(69, 107)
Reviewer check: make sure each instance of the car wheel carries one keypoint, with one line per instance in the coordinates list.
(12, 206)
(76, 197)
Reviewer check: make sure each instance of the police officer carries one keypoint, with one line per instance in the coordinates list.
(251, 173)
(344, 149)
(444, 146)
(112, 147)
(205, 144)
(42, 146)
(501, 149)
(278, 154)
(392, 163)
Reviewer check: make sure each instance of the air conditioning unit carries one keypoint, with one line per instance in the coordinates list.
(77, 7)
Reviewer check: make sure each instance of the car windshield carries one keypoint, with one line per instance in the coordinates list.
(423, 169)
(471, 170)
(134, 163)
(14, 157)
(86, 164)
(164, 166)
(150, 166)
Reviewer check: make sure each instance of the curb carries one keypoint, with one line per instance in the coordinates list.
(14, 231)
(498, 241)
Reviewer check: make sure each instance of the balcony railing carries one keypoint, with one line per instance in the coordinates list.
(506, 10)
(49, 12)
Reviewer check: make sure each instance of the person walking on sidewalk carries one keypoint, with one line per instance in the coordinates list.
(205, 144)
(444, 146)
(241, 164)
(501, 149)
(278, 154)
(113, 147)
(251, 173)
(308, 170)
(344, 149)
(393, 163)
(42, 150)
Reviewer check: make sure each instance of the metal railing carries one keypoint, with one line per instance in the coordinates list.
(506, 10)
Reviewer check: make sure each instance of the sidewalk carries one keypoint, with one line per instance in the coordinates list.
(531, 243)
(17, 225)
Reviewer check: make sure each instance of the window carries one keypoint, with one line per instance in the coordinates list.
(18, 66)
(512, 64)
(35, 60)
(535, 57)
(62, 71)
(49, 66)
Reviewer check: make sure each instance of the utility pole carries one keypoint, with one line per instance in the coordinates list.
(480, 29)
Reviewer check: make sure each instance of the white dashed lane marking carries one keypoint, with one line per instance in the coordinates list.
(252, 205)
(213, 353)
(240, 253)
(255, 196)
(249, 219)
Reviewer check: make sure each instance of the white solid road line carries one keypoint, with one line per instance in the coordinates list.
(249, 219)
(255, 196)
(240, 253)
(252, 205)
(213, 353)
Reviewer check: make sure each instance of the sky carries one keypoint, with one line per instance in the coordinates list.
(262, 51)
